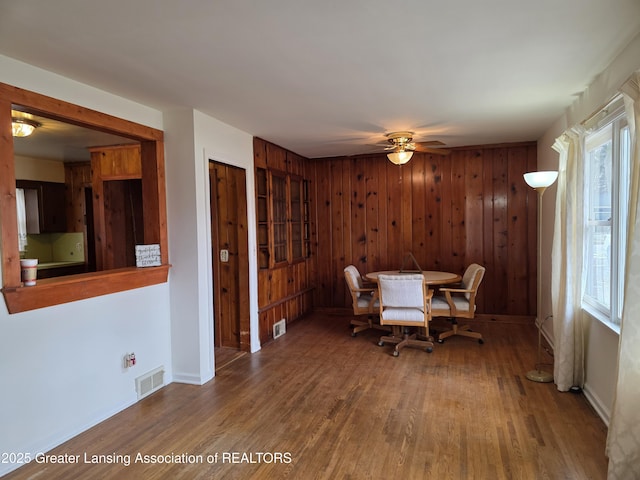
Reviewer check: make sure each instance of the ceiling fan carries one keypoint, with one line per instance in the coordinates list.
(402, 147)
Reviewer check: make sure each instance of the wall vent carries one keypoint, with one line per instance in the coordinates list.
(150, 382)
(279, 328)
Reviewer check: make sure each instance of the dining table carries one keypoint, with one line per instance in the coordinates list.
(431, 277)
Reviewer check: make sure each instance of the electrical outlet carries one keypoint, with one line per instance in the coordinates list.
(224, 255)
(129, 360)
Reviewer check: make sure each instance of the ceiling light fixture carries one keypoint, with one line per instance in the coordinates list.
(402, 147)
(23, 127)
(400, 157)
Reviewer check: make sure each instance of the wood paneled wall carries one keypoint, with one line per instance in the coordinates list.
(77, 178)
(449, 211)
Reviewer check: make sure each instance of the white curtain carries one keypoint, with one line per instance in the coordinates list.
(22, 220)
(623, 441)
(566, 265)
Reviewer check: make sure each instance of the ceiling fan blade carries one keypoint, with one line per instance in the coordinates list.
(403, 141)
(436, 151)
(380, 146)
(430, 143)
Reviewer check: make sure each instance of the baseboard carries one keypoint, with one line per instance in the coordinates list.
(595, 402)
(190, 379)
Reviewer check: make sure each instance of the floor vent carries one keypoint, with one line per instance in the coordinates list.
(150, 382)
(279, 328)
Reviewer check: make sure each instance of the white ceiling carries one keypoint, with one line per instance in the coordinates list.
(327, 77)
(54, 140)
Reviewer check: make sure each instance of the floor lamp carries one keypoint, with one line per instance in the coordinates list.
(540, 181)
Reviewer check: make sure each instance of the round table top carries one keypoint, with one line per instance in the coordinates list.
(431, 277)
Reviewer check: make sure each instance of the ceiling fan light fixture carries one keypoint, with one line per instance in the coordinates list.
(403, 148)
(400, 157)
(23, 127)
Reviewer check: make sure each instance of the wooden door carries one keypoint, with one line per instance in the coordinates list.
(230, 259)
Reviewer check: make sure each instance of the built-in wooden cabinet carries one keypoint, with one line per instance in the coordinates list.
(284, 231)
(116, 162)
(295, 194)
(279, 217)
(45, 206)
(306, 219)
(263, 218)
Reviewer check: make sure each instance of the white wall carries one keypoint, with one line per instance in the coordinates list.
(601, 343)
(192, 140)
(601, 365)
(188, 316)
(61, 367)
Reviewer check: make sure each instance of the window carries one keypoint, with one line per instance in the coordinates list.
(136, 199)
(606, 198)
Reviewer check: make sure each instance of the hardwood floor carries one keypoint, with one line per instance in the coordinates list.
(319, 404)
(225, 356)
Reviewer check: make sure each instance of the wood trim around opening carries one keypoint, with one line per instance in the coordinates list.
(71, 288)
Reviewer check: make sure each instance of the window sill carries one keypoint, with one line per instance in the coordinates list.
(55, 291)
(600, 317)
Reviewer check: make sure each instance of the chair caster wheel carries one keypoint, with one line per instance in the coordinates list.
(440, 340)
(353, 334)
(381, 344)
(480, 341)
(396, 353)
(429, 349)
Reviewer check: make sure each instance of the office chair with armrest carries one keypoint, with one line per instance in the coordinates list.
(364, 299)
(404, 303)
(459, 302)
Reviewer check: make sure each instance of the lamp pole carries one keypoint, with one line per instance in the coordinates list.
(540, 181)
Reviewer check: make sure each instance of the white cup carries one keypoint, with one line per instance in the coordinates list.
(29, 271)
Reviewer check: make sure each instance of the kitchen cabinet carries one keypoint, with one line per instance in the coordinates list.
(45, 206)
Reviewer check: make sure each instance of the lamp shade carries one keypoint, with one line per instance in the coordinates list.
(540, 179)
(400, 157)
